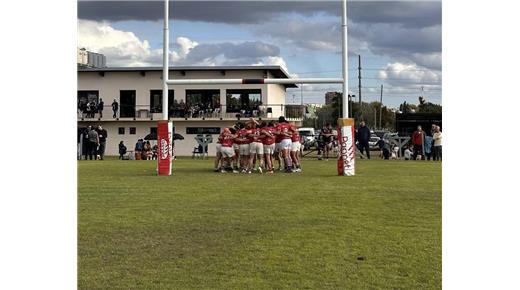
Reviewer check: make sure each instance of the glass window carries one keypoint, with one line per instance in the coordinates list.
(156, 101)
(85, 97)
(243, 100)
(199, 100)
(121, 130)
(127, 103)
(132, 130)
(153, 130)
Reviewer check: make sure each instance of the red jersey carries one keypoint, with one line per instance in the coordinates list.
(227, 140)
(242, 133)
(269, 140)
(295, 134)
(255, 137)
(284, 128)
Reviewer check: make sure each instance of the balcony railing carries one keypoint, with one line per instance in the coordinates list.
(222, 112)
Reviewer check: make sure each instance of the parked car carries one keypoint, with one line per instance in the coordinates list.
(309, 136)
(372, 142)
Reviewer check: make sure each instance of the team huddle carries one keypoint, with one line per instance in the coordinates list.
(244, 146)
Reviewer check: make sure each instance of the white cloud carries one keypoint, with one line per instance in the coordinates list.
(402, 72)
(124, 48)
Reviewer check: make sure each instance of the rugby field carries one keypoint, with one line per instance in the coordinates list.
(198, 229)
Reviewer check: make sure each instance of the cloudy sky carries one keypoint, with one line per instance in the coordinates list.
(399, 42)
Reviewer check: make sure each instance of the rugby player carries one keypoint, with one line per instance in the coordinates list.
(295, 148)
(256, 148)
(227, 150)
(218, 148)
(277, 146)
(267, 133)
(284, 131)
(236, 145)
(243, 141)
(328, 136)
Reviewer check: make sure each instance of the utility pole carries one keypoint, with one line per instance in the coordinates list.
(381, 108)
(359, 87)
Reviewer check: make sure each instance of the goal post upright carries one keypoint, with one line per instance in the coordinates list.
(164, 126)
(347, 145)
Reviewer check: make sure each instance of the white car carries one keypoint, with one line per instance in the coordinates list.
(372, 143)
(308, 135)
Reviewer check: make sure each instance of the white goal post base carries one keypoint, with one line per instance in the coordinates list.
(347, 147)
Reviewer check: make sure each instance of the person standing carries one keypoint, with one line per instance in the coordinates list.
(93, 142)
(327, 136)
(115, 107)
(103, 134)
(100, 108)
(428, 144)
(418, 141)
(138, 149)
(437, 144)
(122, 150)
(363, 136)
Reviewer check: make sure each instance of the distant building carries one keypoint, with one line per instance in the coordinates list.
(90, 59)
(329, 96)
(194, 109)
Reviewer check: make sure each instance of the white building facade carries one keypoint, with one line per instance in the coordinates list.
(193, 109)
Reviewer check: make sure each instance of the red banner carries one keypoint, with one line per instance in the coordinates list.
(164, 147)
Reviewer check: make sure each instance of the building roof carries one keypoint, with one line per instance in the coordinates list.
(277, 71)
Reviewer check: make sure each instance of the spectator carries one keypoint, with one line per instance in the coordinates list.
(363, 136)
(147, 151)
(428, 144)
(122, 150)
(103, 134)
(381, 145)
(88, 110)
(154, 152)
(115, 107)
(85, 144)
(100, 107)
(138, 149)
(408, 154)
(437, 144)
(417, 141)
(93, 142)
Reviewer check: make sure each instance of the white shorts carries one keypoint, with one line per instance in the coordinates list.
(286, 144)
(244, 149)
(269, 149)
(256, 148)
(218, 148)
(277, 147)
(235, 147)
(227, 151)
(296, 146)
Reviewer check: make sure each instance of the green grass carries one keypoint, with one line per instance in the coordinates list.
(313, 230)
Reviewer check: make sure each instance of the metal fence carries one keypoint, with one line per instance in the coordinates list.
(147, 112)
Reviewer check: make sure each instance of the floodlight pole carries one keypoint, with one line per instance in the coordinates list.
(166, 68)
(345, 60)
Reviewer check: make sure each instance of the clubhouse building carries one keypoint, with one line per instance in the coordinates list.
(193, 109)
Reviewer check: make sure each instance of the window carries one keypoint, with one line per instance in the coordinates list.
(127, 104)
(121, 130)
(204, 99)
(156, 101)
(85, 97)
(153, 130)
(243, 100)
(203, 130)
(132, 130)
